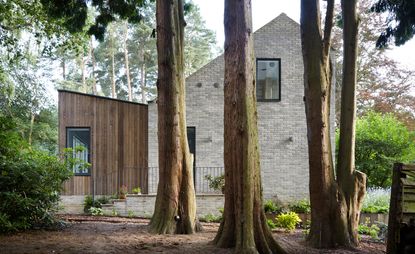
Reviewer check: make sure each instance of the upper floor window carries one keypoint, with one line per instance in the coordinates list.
(268, 79)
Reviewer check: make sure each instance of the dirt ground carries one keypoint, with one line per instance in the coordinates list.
(85, 234)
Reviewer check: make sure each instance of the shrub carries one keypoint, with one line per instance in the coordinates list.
(30, 182)
(271, 207)
(89, 203)
(288, 221)
(381, 140)
(136, 190)
(372, 231)
(130, 213)
(103, 200)
(95, 211)
(217, 183)
(271, 224)
(301, 206)
(376, 201)
(211, 218)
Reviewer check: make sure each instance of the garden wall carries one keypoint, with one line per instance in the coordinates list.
(142, 205)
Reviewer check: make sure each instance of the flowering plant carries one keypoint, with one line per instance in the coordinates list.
(123, 190)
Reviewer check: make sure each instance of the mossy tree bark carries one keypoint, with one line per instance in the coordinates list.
(333, 201)
(175, 208)
(244, 225)
(351, 182)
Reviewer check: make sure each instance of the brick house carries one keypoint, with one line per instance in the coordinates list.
(281, 113)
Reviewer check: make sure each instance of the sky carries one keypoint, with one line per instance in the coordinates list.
(264, 11)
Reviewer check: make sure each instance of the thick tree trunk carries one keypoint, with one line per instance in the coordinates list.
(127, 68)
(175, 208)
(92, 57)
(244, 225)
(327, 224)
(335, 203)
(351, 182)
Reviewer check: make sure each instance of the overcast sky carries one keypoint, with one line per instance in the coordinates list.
(264, 11)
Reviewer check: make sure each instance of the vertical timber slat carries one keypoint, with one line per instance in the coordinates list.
(119, 146)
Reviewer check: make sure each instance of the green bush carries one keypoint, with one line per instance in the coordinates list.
(30, 182)
(288, 221)
(130, 213)
(376, 201)
(211, 218)
(301, 206)
(136, 190)
(271, 207)
(216, 183)
(381, 140)
(271, 224)
(372, 231)
(89, 202)
(95, 211)
(103, 200)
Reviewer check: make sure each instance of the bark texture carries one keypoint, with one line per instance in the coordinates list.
(175, 208)
(244, 225)
(351, 182)
(333, 201)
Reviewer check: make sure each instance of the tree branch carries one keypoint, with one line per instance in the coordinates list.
(328, 25)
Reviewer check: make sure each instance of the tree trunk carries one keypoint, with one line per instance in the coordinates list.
(175, 208)
(113, 91)
(351, 182)
(83, 80)
(32, 123)
(143, 80)
(327, 225)
(63, 64)
(92, 56)
(244, 225)
(334, 203)
(127, 68)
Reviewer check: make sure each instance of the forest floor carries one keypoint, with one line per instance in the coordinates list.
(86, 234)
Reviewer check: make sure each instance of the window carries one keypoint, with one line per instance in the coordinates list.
(79, 140)
(268, 77)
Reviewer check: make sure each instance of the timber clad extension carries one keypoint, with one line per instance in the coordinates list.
(118, 142)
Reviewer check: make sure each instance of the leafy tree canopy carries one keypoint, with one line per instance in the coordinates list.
(74, 13)
(401, 21)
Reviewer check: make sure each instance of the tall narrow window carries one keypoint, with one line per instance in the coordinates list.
(79, 140)
(268, 85)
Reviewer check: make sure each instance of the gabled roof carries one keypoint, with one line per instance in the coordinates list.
(280, 18)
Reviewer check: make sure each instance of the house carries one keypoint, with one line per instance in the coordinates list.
(114, 136)
(121, 137)
(281, 114)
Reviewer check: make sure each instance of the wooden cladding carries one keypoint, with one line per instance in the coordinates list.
(119, 149)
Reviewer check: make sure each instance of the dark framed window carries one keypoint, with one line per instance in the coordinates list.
(79, 139)
(268, 79)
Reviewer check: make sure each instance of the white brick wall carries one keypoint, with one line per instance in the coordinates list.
(284, 163)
